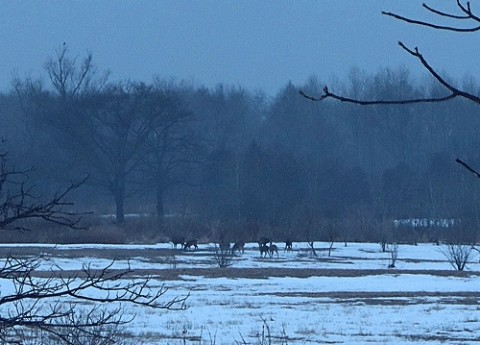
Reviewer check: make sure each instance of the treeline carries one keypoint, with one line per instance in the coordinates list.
(232, 156)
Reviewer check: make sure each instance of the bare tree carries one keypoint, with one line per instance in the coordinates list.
(311, 244)
(172, 147)
(331, 232)
(113, 144)
(223, 256)
(71, 78)
(114, 130)
(100, 128)
(458, 255)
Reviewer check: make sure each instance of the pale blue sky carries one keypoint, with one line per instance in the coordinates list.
(255, 44)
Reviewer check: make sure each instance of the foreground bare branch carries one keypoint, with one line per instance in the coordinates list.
(453, 92)
(465, 15)
(84, 307)
(466, 166)
(63, 303)
(328, 94)
(18, 203)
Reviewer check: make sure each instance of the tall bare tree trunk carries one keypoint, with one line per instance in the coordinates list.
(159, 197)
(119, 195)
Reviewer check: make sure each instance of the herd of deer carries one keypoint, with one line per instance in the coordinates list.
(270, 248)
(265, 246)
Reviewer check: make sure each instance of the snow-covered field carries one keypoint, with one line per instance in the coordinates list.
(415, 303)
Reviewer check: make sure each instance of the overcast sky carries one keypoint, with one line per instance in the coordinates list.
(255, 44)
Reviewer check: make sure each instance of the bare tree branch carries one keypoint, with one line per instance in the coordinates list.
(445, 14)
(466, 11)
(431, 25)
(56, 304)
(454, 92)
(21, 205)
(327, 94)
(466, 166)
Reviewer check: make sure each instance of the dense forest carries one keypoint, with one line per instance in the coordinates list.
(245, 163)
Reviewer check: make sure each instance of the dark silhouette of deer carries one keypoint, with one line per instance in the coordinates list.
(238, 247)
(264, 249)
(263, 241)
(272, 249)
(178, 240)
(190, 243)
(288, 245)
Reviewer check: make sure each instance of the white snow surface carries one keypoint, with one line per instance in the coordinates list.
(393, 307)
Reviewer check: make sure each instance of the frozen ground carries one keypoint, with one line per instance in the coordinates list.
(421, 301)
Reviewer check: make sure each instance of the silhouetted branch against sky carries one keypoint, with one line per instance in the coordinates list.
(468, 167)
(466, 15)
(453, 92)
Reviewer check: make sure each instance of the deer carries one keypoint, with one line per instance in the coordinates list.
(190, 243)
(288, 245)
(272, 249)
(263, 241)
(238, 247)
(178, 240)
(264, 249)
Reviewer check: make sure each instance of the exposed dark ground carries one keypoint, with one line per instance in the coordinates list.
(158, 255)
